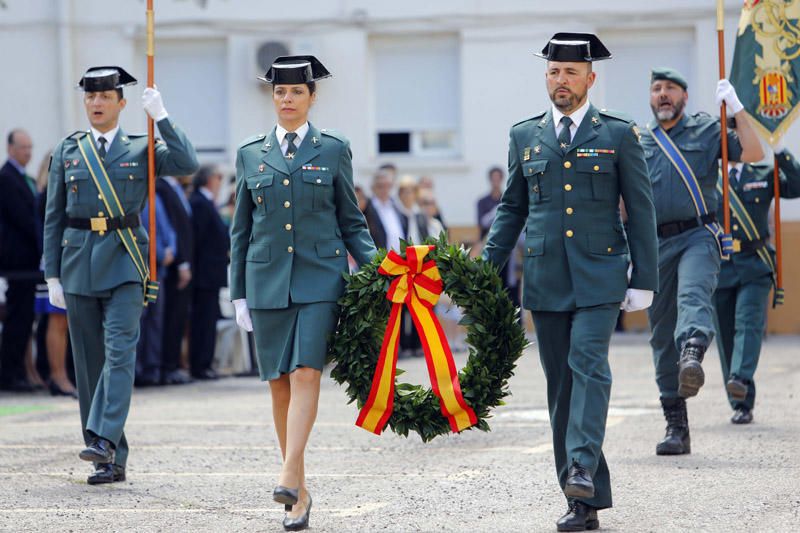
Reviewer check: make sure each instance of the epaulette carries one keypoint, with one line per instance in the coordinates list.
(252, 139)
(335, 134)
(137, 135)
(534, 117)
(619, 115)
(703, 114)
(77, 135)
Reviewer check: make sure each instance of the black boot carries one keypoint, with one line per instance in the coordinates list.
(676, 441)
(690, 369)
(579, 517)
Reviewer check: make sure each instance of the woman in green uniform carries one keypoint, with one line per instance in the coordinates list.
(295, 220)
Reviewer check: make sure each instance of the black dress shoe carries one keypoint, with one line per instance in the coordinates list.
(690, 368)
(106, 473)
(299, 523)
(99, 451)
(579, 482)
(676, 441)
(142, 382)
(55, 390)
(16, 385)
(736, 388)
(579, 517)
(177, 377)
(285, 495)
(205, 375)
(742, 415)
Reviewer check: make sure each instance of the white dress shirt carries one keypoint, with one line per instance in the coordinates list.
(280, 133)
(576, 116)
(109, 137)
(390, 218)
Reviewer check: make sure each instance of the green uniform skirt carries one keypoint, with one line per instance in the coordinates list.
(294, 337)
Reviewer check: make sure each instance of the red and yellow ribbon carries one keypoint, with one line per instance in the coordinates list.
(417, 284)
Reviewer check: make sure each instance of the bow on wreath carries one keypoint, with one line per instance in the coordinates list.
(416, 284)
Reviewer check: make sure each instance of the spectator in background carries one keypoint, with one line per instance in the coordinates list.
(175, 286)
(428, 209)
(487, 206)
(361, 197)
(386, 224)
(426, 184)
(149, 350)
(20, 256)
(211, 256)
(417, 222)
(52, 352)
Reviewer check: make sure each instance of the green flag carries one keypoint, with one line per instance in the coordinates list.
(766, 64)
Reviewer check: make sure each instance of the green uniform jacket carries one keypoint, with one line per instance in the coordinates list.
(755, 187)
(89, 263)
(576, 251)
(294, 221)
(698, 138)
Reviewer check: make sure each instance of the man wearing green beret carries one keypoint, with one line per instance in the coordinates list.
(567, 168)
(740, 301)
(682, 154)
(95, 253)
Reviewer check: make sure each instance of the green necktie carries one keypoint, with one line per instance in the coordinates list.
(102, 150)
(565, 137)
(290, 147)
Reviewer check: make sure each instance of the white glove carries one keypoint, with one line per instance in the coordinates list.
(636, 300)
(56, 293)
(243, 314)
(726, 93)
(153, 104)
(778, 147)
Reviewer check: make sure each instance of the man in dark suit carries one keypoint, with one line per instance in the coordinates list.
(175, 288)
(20, 254)
(210, 265)
(386, 224)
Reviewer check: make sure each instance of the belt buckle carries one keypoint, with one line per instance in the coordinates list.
(737, 245)
(99, 224)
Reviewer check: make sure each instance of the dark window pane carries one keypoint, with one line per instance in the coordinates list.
(392, 143)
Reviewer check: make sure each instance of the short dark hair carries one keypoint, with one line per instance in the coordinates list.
(203, 175)
(120, 93)
(496, 169)
(312, 86)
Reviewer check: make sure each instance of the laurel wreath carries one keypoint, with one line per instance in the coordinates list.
(494, 336)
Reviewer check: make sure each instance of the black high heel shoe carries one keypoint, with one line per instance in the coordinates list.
(285, 495)
(299, 523)
(55, 390)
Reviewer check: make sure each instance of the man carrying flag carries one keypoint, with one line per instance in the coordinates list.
(95, 253)
(763, 65)
(682, 154)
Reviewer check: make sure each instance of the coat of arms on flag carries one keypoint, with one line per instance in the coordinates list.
(766, 64)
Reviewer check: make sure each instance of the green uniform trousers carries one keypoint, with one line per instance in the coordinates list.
(688, 267)
(741, 313)
(573, 348)
(104, 332)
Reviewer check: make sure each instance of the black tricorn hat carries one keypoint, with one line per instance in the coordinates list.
(99, 79)
(574, 47)
(294, 70)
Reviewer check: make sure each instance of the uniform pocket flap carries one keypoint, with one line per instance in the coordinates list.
(73, 238)
(258, 253)
(332, 248)
(607, 243)
(137, 173)
(259, 180)
(595, 165)
(532, 168)
(76, 175)
(534, 245)
(692, 147)
(317, 178)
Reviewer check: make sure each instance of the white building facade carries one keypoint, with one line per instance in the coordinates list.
(430, 86)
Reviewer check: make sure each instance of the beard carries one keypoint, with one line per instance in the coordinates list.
(566, 102)
(667, 114)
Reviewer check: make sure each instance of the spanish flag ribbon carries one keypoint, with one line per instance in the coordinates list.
(416, 284)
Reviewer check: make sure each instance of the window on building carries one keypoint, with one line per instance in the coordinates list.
(417, 96)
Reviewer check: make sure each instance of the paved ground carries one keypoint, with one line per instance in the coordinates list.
(204, 459)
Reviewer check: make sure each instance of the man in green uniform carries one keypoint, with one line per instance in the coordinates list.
(567, 168)
(744, 282)
(682, 154)
(95, 253)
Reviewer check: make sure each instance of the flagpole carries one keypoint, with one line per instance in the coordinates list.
(723, 116)
(151, 146)
(778, 296)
